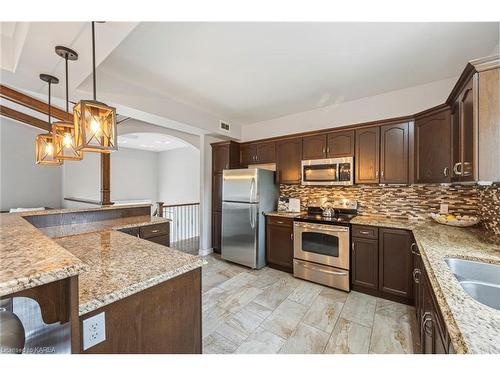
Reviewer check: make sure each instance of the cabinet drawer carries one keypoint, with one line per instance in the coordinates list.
(131, 231)
(154, 230)
(364, 231)
(162, 240)
(276, 220)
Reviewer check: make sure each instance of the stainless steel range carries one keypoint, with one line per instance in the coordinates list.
(321, 245)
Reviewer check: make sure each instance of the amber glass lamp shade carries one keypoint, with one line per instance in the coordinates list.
(45, 153)
(65, 141)
(95, 127)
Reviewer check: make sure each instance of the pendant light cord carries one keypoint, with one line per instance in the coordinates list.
(67, 95)
(93, 57)
(50, 84)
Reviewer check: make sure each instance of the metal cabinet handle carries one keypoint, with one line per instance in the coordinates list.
(324, 150)
(382, 174)
(414, 249)
(352, 246)
(455, 169)
(376, 174)
(364, 232)
(425, 327)
(138, 236)
(446, 171)
(280, 222)
(328, 150)
(155, 231)
(465, 169)
(291, 236)
(416, 275)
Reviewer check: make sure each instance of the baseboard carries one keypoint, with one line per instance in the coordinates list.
(205, 252)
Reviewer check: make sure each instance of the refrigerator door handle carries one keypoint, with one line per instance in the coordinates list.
(252, 188)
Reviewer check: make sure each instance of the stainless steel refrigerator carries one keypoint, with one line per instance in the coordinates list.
(246, 195)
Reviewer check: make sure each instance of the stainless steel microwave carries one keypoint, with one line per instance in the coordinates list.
(334, 171)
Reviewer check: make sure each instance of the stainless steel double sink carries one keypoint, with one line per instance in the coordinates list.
(479, 280)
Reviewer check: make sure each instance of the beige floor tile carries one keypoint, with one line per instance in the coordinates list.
(261, 342)
(217, 344)
(334, 294)
(285, 318)
(211, 321)
(276, 293)
(305, 293)
(241, 280)
(237, 327)
(210, 280)
(349, 337)
(212, 298)
(236, 300)
(323, 313)
(305, 340)
(259, 310)
(392, 330)
(359, 308)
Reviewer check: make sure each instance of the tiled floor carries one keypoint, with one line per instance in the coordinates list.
(269, 311)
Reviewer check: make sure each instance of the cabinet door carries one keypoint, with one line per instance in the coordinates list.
(455, 141)
(217, 192)
(394, 154)
(395, 262)
(314, 147)
(279, 249)
(426, 324)
(367, 155)
(467, 134)
(340, 144)
(266, 152)
(365, 263)
(220, 158)
(288, 160)
(248, 154)
(432, 148)
(216, 230)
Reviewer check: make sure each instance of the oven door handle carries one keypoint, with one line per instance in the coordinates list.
(304, 229)
(321, 270)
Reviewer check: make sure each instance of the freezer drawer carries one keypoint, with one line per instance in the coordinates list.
(325, 275)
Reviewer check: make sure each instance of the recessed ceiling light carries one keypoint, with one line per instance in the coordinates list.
(162, 142)
(122, 141)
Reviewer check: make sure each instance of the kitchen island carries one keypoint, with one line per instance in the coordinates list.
(150, 294)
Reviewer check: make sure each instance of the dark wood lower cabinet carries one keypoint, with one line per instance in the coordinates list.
(433, 336)
(365, 263)
(279, 243)
(157, 233)
(165, 318)
(395, 262)
(216, 231)
(381, 263)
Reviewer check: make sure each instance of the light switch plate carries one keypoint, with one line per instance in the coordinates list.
(94, 330)
(443, 208)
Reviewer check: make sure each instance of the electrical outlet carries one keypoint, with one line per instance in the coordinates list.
(94, 330)
(443, 208)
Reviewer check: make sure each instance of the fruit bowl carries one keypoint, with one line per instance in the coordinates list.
(456, 221)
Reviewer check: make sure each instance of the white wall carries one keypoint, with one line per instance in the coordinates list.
(391, 104)
(179, 176)
(133, 176)
(22, 182)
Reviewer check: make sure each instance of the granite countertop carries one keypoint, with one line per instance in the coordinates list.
(28, 258)
(68, 210)
(99, 226)
(473, 327)
(121, 265)
(285, 214)
(111, 265)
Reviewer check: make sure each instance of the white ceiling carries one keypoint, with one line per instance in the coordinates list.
(150, 142)
(248, 72)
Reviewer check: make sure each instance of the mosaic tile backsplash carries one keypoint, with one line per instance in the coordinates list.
(410, 202)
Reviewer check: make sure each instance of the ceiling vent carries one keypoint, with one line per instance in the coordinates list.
(224, 126)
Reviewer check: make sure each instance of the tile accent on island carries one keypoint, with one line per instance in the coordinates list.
(413, 202)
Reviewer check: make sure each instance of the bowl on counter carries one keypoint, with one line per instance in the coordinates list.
(455, 221)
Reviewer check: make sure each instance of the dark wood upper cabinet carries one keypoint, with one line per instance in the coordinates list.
(367, 155)
(394, 154)
(395, 262)
(266, 152)
(340, 144)
(465, 167)
(279, 243)
(225, 155)
(365, 262)
(432, 147)
(288, 160)
(258, 153)
(248, 154)
(314, 147)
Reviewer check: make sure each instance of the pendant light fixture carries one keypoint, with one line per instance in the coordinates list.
(44, 143)
(64, 131)
(95, 122)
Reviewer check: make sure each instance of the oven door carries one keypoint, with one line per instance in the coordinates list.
(323, 244)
